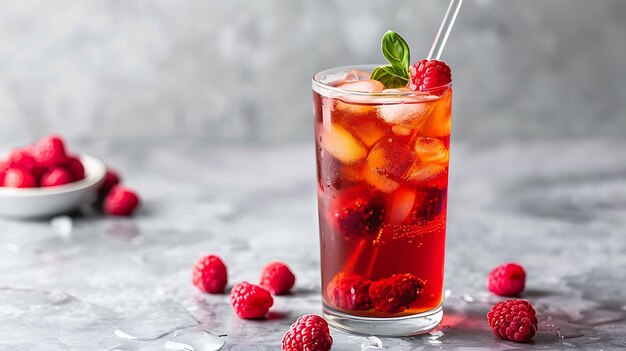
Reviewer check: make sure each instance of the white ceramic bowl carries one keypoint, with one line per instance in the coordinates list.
(50, 201)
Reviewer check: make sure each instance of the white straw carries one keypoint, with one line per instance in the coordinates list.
(444, 29)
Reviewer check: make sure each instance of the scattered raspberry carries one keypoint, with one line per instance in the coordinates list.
(2, 174)
(75, 167)
(349, 292)
(18, 177)
(396, 293)
(50, 151)
(429, 74)
(309, 333)
(56, 176)
(513, 320)
(121, 201)
(277, 278)
(111, 179)
(507, 280)
(357, 211)
(209, 274)
(250, 301)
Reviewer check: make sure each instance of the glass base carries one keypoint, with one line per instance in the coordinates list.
(396, 326)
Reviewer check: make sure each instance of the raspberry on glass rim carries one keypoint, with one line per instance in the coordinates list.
(430, 75)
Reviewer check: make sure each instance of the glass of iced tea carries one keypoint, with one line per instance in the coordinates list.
(382, 172)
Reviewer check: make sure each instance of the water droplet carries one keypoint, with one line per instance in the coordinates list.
(468, 298)
(566, 331)
(154, 323)
(596, 317)
(436, 334)
(193, 340)
(371, 342)
(447, 293)
(172, 345)
(124, 335)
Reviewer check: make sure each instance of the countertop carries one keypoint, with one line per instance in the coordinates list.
(90, 282)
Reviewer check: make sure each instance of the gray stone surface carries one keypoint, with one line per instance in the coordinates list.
(240, 70)
(556, 207)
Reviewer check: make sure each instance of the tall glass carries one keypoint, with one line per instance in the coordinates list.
(382, 171)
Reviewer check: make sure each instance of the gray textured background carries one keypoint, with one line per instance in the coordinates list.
(238, 71)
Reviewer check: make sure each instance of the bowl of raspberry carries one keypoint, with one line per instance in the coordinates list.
(44, 179)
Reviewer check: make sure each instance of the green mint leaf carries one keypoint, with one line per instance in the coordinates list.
(391, 76)
(395, 50)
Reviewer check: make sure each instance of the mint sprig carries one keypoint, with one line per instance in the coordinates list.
(396, 51)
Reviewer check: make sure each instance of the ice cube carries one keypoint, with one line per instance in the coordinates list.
(364, 86)
(424, 172)
(401, 205)
(397, 90)
(439, 122)
(351, 173)
(405, 114)
(367, 129)
(358, 104)
(391, 158)
(431, 150)
(378, 181)
(355, 75)
(352, 108)
(400, 130)
(341, 144)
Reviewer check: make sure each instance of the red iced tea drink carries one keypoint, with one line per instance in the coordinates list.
(382, 172)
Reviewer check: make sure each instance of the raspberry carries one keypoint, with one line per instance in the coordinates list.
(2, 175)
(357, 211)
(75, 167)
(18, 177)
(426, 75)
(309, 333)
(277, 278)
(56, 176)
(250, 301)
(50, 151)
(429, 203)
(349, 292)
(121, 201)
(24, 159)
(513, 320)
(507, 280)
(111, 179)
(209, 274)
(396, 293)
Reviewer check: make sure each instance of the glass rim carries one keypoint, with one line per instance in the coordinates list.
(319, 86)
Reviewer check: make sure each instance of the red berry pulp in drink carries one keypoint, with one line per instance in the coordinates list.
(382, 172)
